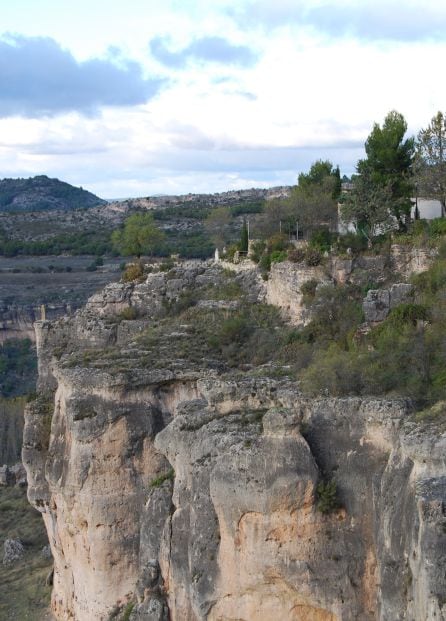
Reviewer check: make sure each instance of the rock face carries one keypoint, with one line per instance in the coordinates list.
(379, 302)
(196, 494)
(408, 260)
(13, 551)
(18, 322)
(284, 288)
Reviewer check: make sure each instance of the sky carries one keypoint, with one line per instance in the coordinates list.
(149, 97)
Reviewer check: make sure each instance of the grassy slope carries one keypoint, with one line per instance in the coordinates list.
(23, 593)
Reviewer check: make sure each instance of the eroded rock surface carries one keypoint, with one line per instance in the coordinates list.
(191, 491)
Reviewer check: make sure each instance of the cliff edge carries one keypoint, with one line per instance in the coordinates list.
(180, 479)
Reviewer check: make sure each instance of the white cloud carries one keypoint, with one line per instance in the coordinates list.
(309, 96)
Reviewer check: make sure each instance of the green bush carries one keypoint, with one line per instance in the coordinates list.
(322, 240)
(356, 242)
(333, 371)
(437, 227)
(327, 497)
(257, 250)
(166, 476)
(278, 256)
(407, 313)
(234, 330)
(128, 611)
(265, 263)
(279, 241)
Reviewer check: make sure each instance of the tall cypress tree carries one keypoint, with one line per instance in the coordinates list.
(244, 240)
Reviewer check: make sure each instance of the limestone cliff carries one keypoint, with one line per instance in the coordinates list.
(175, 486)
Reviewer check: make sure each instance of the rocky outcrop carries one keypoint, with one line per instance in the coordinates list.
(12, 475)
(190, 492)
(409, 260)
(379, 302)
(17, 322)
(13, 551)
(284, 288)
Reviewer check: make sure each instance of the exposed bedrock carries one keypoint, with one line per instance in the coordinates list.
(238, 534)
(193, 494)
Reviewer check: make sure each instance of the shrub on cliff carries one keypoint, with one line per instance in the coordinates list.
(327, 497)
(133, 272)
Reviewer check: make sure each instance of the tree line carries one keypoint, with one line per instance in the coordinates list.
(395, 170)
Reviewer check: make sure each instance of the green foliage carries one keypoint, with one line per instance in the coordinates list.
(94, 241)
(327, 500)
(370, 205)
(138, 236)
(407, 314)
(217, 226)
(18, 367)
(166, 476)
(387, 166)
(278, 241)
(247, 208)
(257, 250)
(404, 355)
(356, 242)
(244, 240)
(190, 212)
(189, 246)
(265, 262)
(319, 172)
(321, 239)
(23, 592)
(278, 256)
(334, 371)
(313, 202)
(437, 227)
(128, 611)
(42, 193)
(234, 330)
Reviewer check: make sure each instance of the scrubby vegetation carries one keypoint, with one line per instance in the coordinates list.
(404, 355)
(327, 496)
(166, 476)
(18, 367)
(23, 592)
(94, 241)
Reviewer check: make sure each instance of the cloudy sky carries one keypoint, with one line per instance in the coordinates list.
(172, 96)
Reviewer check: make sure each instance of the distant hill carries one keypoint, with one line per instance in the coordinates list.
(43, 194)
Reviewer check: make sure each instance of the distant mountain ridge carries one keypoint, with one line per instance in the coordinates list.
(43, 194)
(216, 199)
